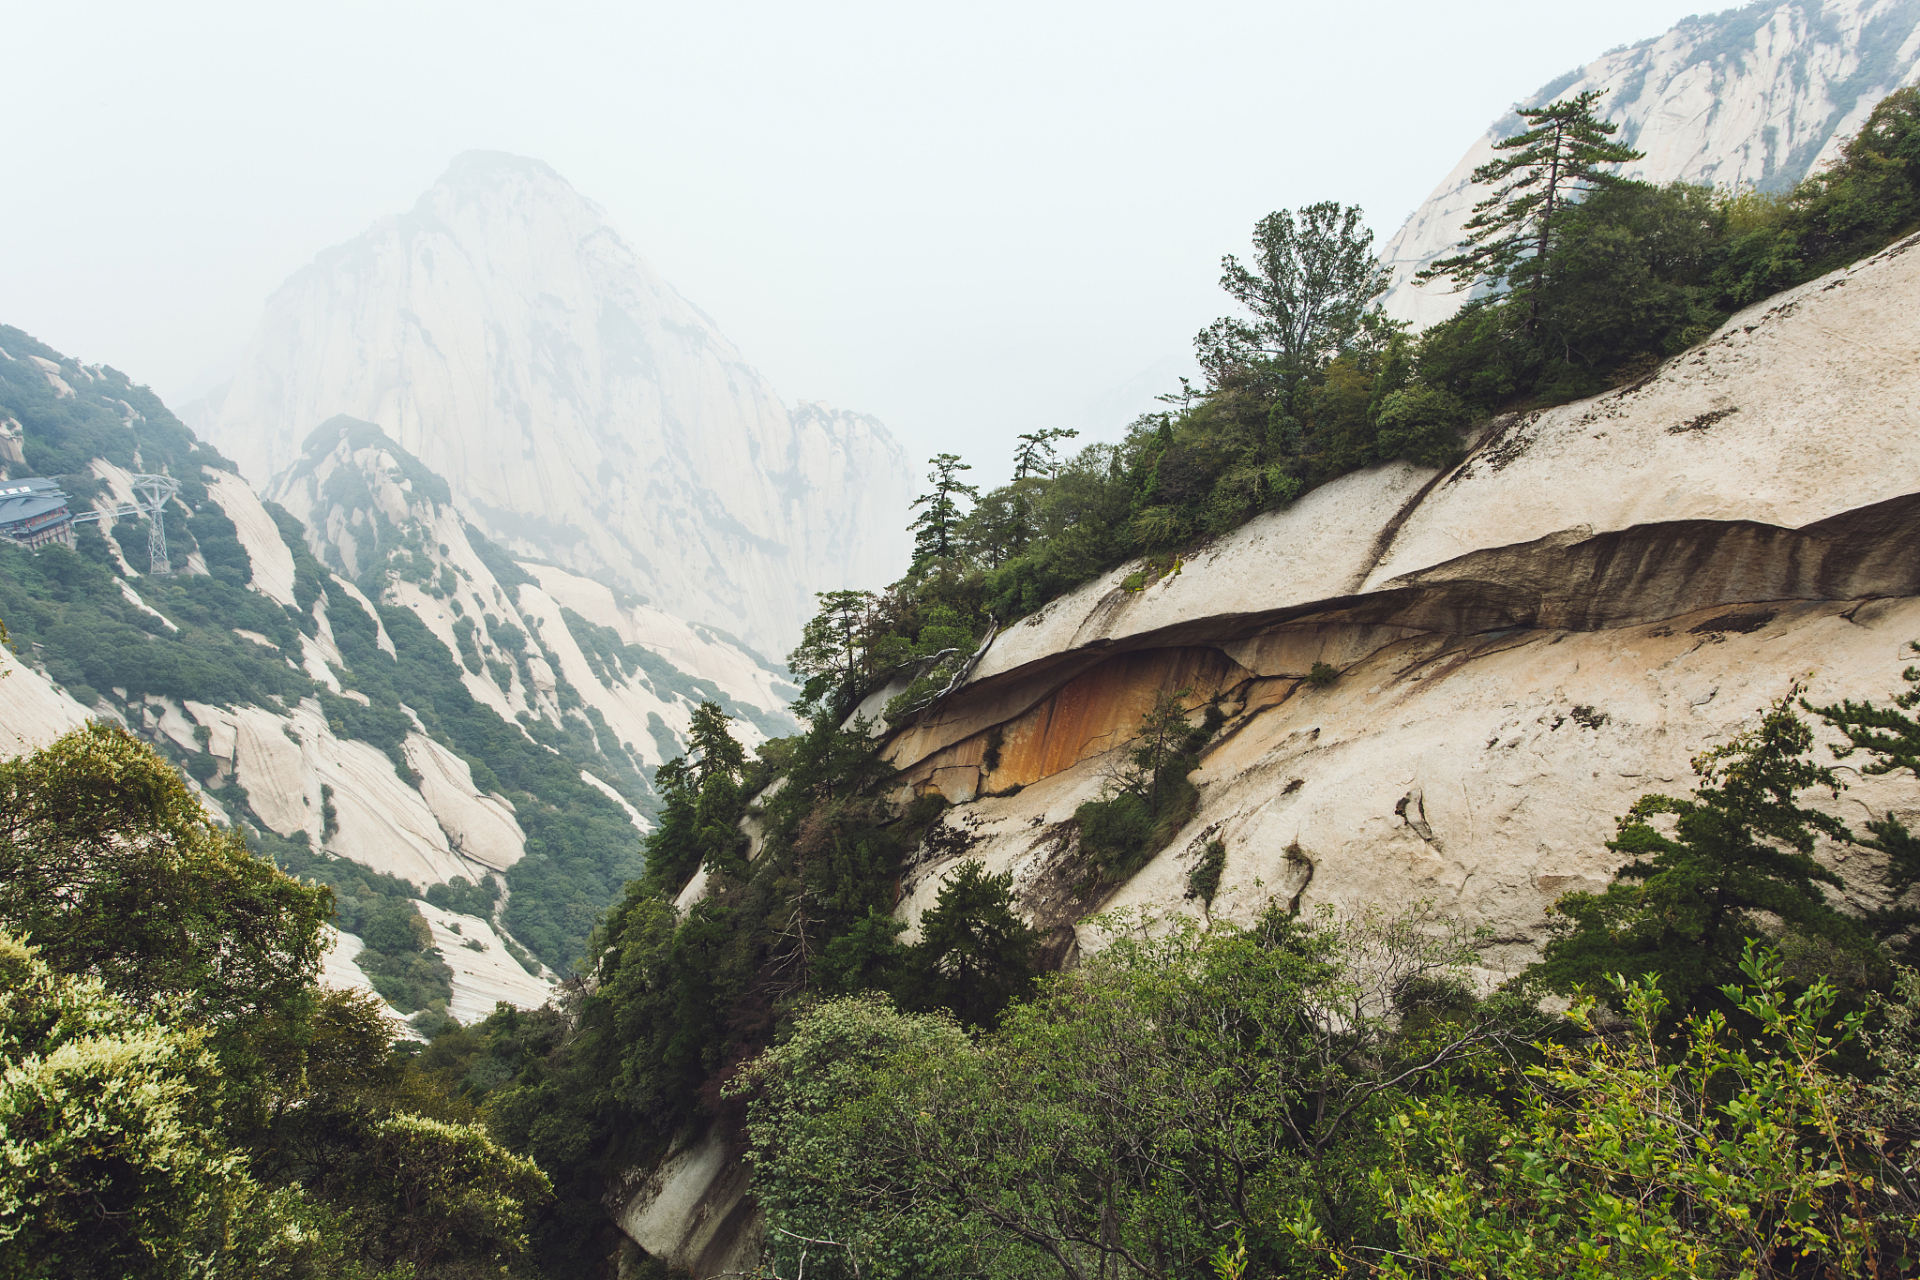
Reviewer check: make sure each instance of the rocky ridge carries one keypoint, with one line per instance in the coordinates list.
(1523, 646)
(1525, 643)
(1763, 94)
(583, 412)
(361, 496)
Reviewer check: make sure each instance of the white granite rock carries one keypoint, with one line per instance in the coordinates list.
(1763, 94)
(1524, 645)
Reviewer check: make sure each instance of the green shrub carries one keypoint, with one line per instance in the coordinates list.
(1117, 834)
(1423, 425)
(1203, 882)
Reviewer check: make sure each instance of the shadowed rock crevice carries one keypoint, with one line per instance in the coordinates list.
(1054, 713)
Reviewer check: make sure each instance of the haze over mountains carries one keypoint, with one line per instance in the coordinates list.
(582, 411)
(1761, 95)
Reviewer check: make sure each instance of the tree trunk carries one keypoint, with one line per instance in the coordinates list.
(1546, 221)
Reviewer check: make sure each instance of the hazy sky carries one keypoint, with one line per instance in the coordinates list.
(968, 220)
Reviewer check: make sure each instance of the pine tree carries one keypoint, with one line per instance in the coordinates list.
(1892, 737)
(1563, 155)
(934, 528)
(975, 954)
(1034, 455)
(1034, 463)
(832, 654)
(714, 749)
(1741, 850)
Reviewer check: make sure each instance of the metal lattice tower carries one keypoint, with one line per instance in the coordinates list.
(155, 493)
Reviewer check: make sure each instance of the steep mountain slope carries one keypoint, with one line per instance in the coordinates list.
(1525, 643)
(1762, 95)
(582, 411)
(1515, 650)
(376, 515)
(430, 728)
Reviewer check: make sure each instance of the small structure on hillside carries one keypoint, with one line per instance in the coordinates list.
(34, 513)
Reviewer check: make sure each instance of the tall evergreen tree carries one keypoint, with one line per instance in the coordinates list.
(1034, 463)
(975, 954)
(699, 821)
(1565, 153)
(719, 763)
(933, 530)
(1308, 289)
(714, 749)
(832, 651)
(1034, 455)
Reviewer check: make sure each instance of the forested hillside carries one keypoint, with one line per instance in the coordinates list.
(1194, 866)
(332, 712)
(1310, 381)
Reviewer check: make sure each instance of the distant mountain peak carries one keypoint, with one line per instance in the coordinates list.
(1761, 94)
(479, 166)
(583, 411)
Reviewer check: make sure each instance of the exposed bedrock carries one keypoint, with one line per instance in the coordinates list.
(1482, 772)
(1525, 643)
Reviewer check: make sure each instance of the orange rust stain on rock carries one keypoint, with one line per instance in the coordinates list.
(1094, 712)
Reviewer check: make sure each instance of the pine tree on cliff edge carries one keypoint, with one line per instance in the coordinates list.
(933, 529)
(1565, 154)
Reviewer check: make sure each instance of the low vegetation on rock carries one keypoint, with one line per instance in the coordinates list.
(1731, 1092)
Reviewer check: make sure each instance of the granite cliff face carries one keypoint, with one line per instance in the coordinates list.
(362, 497)
(582, 410)
(295, 769)
(1762, 95)
(1526, 643)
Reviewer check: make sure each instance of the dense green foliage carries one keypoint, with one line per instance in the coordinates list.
(677, 1000)
(1306, 1098)
(110, 866)
(177, 1097)
(94, 639)
(1295, 1096)
(1179, 1086)
(1738, 852)
(113, 1162)
(1633, 1152)
(103, 415)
